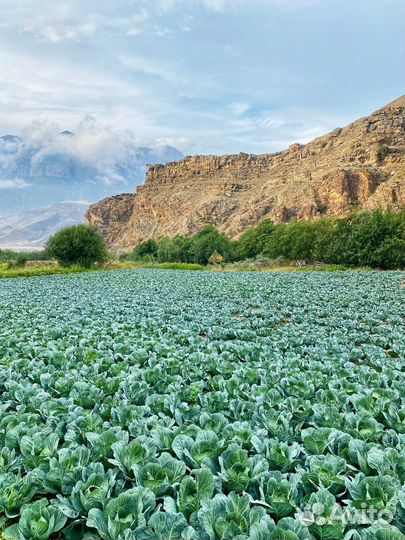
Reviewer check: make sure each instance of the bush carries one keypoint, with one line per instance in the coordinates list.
(374, 239)
(293, 241)
(18, 261)
(21, 259)
(363, 239)
(207, 241)
(216, 258)
(175, 249)
(254, 240)
(18, 256)
(383, 151)
(145, 251)
(390, 254)
(79, 244)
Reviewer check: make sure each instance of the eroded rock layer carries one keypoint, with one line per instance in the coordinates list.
(361, 165)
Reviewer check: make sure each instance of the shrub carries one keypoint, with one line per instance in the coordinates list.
(175, 249)
(207, 241)
(383, 151)
(9, 255)
(216, 258)
(144, 250)
(390, 254)
(364, 239)
(177, 266)
(253, 241)
(21, 259)
(18, 261)
(78, 244)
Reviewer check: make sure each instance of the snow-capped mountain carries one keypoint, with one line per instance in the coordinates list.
(46, 167)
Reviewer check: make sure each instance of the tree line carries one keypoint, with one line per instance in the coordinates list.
(365, 238)
(374, 239)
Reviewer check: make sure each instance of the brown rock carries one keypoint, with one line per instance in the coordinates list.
(361, 165)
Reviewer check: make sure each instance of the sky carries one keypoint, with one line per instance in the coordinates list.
(206, 76)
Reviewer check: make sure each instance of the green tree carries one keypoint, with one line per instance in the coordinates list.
(275, 244)
(78, 244)
(375, 239)
(144, 250)
(21, 259)
(364, 238)
(208, 240)
(297, 240)
(175, 249)
(390, 254)
(254, 240)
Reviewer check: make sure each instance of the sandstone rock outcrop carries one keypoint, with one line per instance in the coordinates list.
(361, 165)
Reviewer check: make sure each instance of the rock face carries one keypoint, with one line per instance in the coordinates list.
(361, 165)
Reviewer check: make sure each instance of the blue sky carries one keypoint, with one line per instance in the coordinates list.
(208, 76)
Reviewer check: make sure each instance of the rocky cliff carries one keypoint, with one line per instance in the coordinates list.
(361, 165)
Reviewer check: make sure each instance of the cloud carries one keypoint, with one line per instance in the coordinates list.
(151, 99)
(131, 25)
(56, 32)
(183, 144)
(14, 183)
(239, 108)
(167, 72)
(54, 23)
(108, 154)
(210, 75)
(76, 21)
(165, 6)
(91, 145)
(61, 91)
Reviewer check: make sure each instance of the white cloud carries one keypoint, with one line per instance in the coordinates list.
(62, 92)
(239, 108)
(167, 72)
(54, 23)
(91, 143)
(56, 32)
(131, 25)
(14, 183)
(183, 144)
(107, 152)
(74, 21)
(218, 73)
(165, 6)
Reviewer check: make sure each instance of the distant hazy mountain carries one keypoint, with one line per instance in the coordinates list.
(37, 173)
(31, 229)
(46, 167)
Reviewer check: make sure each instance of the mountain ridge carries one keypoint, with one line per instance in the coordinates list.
(44, 169)
(360, 165)
(31, 229)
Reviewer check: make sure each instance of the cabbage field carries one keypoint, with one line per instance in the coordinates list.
(150, 404)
